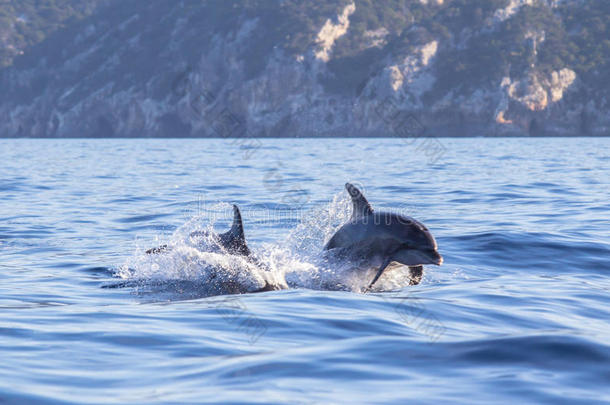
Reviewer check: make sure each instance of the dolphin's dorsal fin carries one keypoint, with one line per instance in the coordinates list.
(362, 207)
(234, 240)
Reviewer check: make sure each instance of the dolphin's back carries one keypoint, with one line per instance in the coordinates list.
(354, 232)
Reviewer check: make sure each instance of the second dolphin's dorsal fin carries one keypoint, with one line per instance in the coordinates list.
(234, 240)
(362, 207)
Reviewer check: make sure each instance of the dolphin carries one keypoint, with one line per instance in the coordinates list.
(385, 237)
(232, 242)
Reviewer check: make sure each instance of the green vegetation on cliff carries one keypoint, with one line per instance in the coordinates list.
(24, 23)
(475, 47)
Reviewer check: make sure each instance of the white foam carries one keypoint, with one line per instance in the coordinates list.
(298, 261)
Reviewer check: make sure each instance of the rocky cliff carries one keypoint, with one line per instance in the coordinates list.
(303, 68)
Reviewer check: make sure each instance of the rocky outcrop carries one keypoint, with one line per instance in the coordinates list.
(330, 32)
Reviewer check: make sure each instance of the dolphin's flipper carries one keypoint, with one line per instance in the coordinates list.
(383, 266)
(234, 240)
(362, 207)
(416, 273)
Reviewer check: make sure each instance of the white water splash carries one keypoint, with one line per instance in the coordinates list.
(193, 255)
(299, 261)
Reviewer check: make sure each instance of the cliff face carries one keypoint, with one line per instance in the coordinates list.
(264, 68)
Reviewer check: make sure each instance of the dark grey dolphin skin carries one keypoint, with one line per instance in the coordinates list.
(386, 236)
(233, 242)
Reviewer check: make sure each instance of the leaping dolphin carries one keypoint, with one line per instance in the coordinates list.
(385, 237)
(232, 242)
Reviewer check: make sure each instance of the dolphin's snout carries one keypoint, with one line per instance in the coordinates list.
(416, 257)
(438, 259)
(433, 256)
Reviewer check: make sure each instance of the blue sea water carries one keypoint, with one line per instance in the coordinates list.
(518, 312)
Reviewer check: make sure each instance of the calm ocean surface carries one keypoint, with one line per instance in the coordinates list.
(518, 312)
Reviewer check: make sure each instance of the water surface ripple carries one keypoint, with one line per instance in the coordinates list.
(518, 312)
